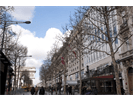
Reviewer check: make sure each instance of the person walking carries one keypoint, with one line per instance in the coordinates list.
(32, 90)
(82, 90)
(36, 90)
(67, 90)
(42, 91)
(122, 91)
(70, 90)
(51, 90)
(73, 90)
(88, 91)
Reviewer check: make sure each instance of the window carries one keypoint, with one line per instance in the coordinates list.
(82, 73)
(106, 36)
(99, 35)
(82, 64)
(94, 56)
(76, 76)
(132, 18)
(102, 36)
(127, 43)
(115, 34)
(70, 77)
(110, 33)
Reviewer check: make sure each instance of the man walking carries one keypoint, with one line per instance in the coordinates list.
(32, 90)
(67, 90)
(51, 90)
(70, 90)
(42, 91)
(73, 90)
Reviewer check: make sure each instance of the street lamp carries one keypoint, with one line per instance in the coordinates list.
(8, 23)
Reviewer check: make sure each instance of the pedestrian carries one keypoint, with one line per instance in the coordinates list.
(32, 90)
(88, 91)
(95, 91)
(36, 90)
(42, 91)
(67, 90)
(73, 90)
(70, 90)
(82, 90)
(51, 90)
(122, 91)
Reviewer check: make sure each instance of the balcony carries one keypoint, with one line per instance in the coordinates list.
(124, 27)
(126, 54)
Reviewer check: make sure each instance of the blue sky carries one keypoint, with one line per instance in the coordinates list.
(46, 17)
(39, 36)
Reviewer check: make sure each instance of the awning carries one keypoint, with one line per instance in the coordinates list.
(105, 77)
(126, 57)
(70, 83)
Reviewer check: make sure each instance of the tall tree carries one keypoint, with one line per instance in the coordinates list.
(101, 25)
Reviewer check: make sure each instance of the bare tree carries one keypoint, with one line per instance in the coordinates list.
(99, 25)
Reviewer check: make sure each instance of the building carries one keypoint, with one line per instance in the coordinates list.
(24, 73)
(99, 62)
(5, 64)
(126, 54)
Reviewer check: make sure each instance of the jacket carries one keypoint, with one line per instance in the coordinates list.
(42, 91)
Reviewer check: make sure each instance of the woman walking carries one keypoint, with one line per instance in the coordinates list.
(36, 90)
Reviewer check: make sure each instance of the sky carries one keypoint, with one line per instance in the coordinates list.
(39, 36)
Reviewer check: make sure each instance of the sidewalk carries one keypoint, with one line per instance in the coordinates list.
(54, 93)
(17, 92)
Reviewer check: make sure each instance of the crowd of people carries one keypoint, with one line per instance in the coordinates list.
(35, 90)
(70, 90)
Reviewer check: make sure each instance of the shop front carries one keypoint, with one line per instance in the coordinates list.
(4, 67)
(102, 80)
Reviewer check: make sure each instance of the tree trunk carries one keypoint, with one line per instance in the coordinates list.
(18, 73)
(65, 80)
(55, 86)
(118, 85)
(15, 77)
(80, 72)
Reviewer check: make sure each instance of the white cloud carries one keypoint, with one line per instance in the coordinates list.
(37, 47)
(36, 81)
(23, 12)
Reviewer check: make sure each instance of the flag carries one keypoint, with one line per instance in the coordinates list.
(72, 51)
(62, 60)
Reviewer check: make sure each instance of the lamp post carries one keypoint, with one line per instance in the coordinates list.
(8, 23)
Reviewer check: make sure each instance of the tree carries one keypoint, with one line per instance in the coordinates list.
(9, 40)
(99, 25)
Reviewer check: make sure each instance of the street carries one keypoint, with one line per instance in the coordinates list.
(23, 92)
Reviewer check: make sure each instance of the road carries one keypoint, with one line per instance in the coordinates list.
(23, 92)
